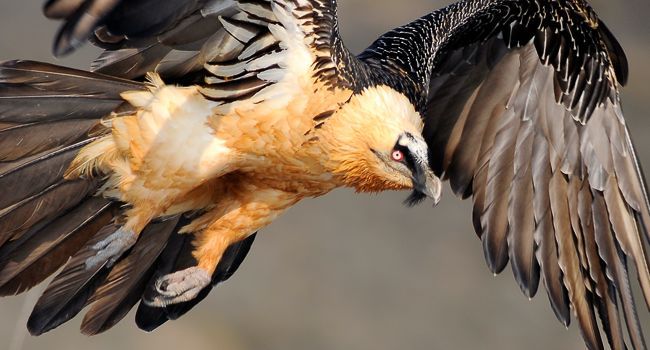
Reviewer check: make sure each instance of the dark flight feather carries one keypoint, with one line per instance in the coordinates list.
(569, 262)
(521, 240)
(616, 265)
(46, 205)
(25, 140)
(44, 219)
(123, 286)
(30, 176)
(149, 35)
(39, 92)
(76, 30)
(70, 290)
(33, 259)
(500, 178)
(605, 292)
(547, 254)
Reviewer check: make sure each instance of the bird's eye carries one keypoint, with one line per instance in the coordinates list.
(397, 155)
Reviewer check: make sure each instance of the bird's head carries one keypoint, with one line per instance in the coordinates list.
(375, 144)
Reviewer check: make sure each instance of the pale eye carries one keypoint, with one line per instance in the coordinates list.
(397, 155)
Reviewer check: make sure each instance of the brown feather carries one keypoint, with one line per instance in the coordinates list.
(631, 182)
(606, 294)
(46, 250)
(46, 205)
(81, 23)
(38, 92)
(57, 9)
(500, 178)
(489, 102)
(30, 176)
(569, 262)
(452, 95)
(547, 254)
(29, 139)
(616, 267)
(521, 239)
(479, 187)
(573, 191)
(131, 63)
(68, 293)
(123, 287)
(626, 233)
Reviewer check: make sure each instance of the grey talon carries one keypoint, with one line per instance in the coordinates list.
(111, 248)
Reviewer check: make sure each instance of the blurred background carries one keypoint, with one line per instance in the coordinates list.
(349, 271)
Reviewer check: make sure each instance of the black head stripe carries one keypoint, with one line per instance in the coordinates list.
(410, 136)
(417, 170)
(409, 160)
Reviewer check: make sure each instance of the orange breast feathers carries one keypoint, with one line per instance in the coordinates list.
(178, 140)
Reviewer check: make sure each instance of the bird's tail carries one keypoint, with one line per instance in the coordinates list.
(47, 114)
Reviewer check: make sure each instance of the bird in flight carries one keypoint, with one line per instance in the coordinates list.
(144, 181)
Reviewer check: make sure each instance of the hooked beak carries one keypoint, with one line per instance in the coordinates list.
(425, 184)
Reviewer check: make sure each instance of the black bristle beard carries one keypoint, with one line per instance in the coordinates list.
(416, 197)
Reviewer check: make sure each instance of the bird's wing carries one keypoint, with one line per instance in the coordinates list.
(522, 112)
(179, 38)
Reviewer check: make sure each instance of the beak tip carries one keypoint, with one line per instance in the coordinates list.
(436, 201)
(435, 190)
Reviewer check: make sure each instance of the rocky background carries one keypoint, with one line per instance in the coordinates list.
(349, 271)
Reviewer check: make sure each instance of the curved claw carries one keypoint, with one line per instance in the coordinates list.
(110, 249)
(180, 286)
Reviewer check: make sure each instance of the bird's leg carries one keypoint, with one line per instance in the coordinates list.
(110, 249)
(217, 230)
(210, 245)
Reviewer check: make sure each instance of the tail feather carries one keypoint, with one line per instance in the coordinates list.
(43, 207)
(123, 287)
(43, 252)
(71, 289)
(40, 92)
(47, 114)
(33, 175)
(26, 140)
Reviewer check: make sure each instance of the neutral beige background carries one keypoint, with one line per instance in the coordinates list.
(350, 271)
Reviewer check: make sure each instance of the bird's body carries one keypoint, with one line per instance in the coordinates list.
(251, 106)
(241, 162)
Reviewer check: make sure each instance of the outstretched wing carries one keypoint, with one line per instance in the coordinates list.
(249, 51)
(178, 38)
(522, 112)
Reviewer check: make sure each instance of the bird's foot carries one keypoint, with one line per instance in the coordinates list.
(180, 286)
(111, 248)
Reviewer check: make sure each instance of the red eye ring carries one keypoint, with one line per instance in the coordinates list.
(397, 155)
